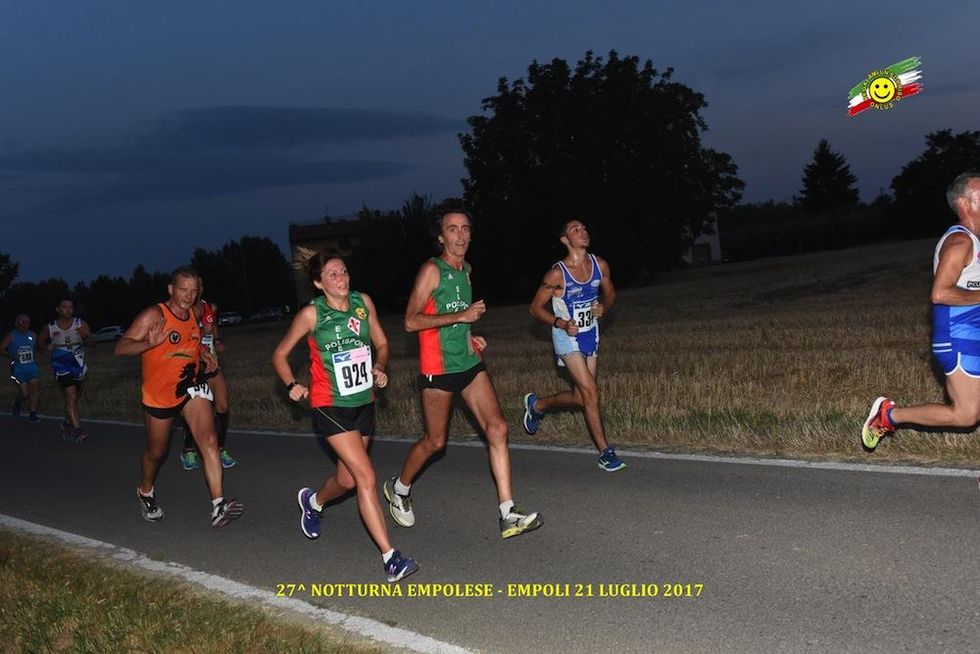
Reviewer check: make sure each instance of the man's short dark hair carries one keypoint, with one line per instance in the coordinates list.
(444, 210)
(183, 271)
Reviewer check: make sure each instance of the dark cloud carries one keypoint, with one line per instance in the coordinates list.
(286, 127)
(210, 179)
(215, 151)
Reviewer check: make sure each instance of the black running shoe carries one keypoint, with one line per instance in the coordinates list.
(148, 505)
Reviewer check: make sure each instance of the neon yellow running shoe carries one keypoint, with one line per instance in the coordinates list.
(878, 423)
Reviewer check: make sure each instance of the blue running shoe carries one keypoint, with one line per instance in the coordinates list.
(34, 419)
(227, 460)
(609, 462)
(189, 460)
(532, 419)
(398, 567)
(309, 522)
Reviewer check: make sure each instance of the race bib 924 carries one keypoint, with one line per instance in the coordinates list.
(352, 370)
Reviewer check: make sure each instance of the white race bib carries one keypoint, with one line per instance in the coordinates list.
(25, 355)
(582, 315)
(201, 390)
(352, 370)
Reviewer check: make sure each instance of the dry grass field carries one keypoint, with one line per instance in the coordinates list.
(778, 357)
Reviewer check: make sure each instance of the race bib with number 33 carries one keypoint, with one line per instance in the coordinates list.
(583, 316)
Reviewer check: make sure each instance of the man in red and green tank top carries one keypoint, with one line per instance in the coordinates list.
(450, 348)
(441, 309)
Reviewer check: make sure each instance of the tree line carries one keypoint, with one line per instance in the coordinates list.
(242, 275)
(827, 213)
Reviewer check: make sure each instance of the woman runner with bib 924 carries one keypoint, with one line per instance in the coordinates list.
(340, 327)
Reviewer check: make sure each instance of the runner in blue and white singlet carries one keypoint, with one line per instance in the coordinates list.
(579, 290)
(66, 338)
(68, 353)
(577, 303)
(956, 326)
(956, 329)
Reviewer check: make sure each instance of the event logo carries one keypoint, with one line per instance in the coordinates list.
(881, 89)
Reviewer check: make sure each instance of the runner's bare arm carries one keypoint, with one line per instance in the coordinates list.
(145, 333)
(954, 256)
(608, 295)
(380, 342)
(302, 324)
(426, 282)
(86, 333)
(551, 286)
(44, 339)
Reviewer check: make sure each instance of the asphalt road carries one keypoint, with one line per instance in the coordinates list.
(789, 559)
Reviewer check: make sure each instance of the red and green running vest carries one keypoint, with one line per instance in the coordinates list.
(448, 349)
(340, 355)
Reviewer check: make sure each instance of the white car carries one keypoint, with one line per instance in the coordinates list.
(109, 334)
(229, 318)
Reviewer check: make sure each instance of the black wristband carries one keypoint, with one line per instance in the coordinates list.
(555, 323)
(290, 385)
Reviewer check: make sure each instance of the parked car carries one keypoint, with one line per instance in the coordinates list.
(109, 334)
(228, 318)
(267, 314)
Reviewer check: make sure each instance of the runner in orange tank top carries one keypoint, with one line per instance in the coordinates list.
(167, 338)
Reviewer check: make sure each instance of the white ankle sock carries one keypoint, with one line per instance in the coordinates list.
(506, 507)
(401, 488)
(314, 504)
(387, 555)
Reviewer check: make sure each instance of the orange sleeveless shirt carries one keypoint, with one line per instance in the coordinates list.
(172, 367)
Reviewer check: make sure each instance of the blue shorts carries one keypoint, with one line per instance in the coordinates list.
(22, 373)
(586, 343)
(68, 367)
(951, 359)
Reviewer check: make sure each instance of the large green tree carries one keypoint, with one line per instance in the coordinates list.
(828, 185)
(614, 143)
(920, 189)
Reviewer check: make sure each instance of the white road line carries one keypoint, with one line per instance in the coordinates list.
(695, 458)
(372, 629)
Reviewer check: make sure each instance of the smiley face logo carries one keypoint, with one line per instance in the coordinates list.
(881, 90)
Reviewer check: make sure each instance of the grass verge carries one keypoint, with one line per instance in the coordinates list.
(54, 599)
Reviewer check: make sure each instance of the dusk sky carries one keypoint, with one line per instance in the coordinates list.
(133, 132)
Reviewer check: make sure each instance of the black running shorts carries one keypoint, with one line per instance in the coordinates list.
(453, 382)
(332, 420)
